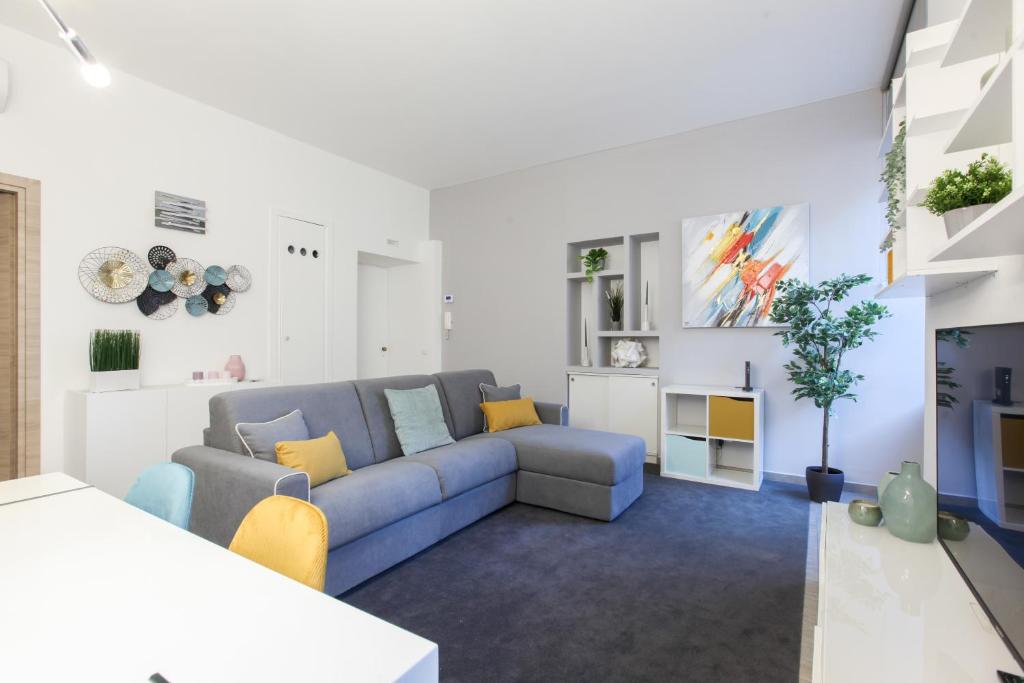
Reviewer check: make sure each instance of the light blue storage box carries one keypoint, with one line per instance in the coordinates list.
(687, 455)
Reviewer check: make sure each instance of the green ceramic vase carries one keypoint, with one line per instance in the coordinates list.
(886, 478)
(909, 505)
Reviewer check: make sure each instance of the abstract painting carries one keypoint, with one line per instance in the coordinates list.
(180, 213)
(732, 263)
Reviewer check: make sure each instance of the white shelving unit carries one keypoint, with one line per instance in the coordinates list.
(998, 465)
(951, 120)
(713, 435)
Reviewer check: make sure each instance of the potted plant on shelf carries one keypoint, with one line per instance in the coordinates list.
(960, 197)
(615, 301)
(114, 360)
(820, 338)
(593, 261)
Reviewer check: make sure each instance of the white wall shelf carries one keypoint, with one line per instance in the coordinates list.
(608, 370)
(926, 284)
(988, 121)
(713, 435)
(982, 30)
(997, 232)
(628, 333)
(934, 123)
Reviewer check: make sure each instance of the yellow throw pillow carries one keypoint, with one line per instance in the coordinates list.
(502, 415)
(322, 459)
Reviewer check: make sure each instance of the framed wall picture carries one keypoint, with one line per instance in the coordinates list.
(732, 263)
(180, 213)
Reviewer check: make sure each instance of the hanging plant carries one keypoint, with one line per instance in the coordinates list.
(894, 176)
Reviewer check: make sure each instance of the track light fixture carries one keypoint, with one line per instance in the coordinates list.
(94, 73)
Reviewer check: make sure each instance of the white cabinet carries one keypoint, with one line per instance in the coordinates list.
(627, 404)
(110, 437)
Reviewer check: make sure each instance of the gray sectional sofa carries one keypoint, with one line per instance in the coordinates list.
(393, 506)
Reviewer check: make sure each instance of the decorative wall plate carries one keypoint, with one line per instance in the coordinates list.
(149, 301)
(229, 303)
(160, 256)
(113, 274)
(196, 305)
(239, 278)
(216, 296)
(161, 280)
(189, 277)
(166, 310)
(215, 275)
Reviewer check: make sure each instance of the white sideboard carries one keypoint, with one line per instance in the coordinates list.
(622, 403)
(998, 467)
(110, 437)
(890, 610)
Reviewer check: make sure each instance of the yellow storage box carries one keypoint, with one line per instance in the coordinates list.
(731, 418)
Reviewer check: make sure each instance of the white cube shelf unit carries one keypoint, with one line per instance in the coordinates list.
(713, 435)
(632, 262)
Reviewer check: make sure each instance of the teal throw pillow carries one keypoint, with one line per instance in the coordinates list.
(419, 422)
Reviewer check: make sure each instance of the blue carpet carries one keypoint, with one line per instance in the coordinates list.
(692, 583)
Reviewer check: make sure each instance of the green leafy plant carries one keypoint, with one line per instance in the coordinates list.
(615, 301)
(593, 261)
(986, 181)
(945, 383)
(821, 337)
(894, 176)
(111, 350)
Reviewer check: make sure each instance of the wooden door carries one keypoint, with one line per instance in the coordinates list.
(8, 335)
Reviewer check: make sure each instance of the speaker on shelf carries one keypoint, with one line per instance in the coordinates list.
(1003, 376)
(746, 377)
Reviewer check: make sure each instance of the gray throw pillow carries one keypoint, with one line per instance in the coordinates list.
(260, 438)
(419, 421)
(492, 393)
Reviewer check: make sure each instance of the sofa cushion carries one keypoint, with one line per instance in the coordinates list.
(332, 407)
(419, 421)
(464, 465)
(260, 439)
(377, 413)
(322, 459)
(587, 455)
(491, 393)
(373, 497)
(462, 392)
(504, 415)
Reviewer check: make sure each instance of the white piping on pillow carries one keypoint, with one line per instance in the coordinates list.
(251, 454)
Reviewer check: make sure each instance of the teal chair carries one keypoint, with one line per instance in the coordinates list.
(164, 490)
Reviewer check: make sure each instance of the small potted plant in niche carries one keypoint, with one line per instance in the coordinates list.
(593, 261)
(820, 338)
(114, 360)
(615, 301)
(960, 197)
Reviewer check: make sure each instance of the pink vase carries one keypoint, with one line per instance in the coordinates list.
(236, 368)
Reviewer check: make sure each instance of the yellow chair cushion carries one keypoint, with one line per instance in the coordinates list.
(502, 415)
(286, 535)
(322, 459)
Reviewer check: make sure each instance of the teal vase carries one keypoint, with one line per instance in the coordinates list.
(909, 505)
(886, 478)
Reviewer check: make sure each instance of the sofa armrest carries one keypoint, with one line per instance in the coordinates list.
(228, 485)
(552, 413)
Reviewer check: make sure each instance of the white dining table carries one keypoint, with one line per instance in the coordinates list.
(93, 589)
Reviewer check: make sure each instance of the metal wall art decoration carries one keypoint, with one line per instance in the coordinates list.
(180, 213)
(117, 275)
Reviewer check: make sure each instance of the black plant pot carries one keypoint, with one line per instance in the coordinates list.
(824, 487)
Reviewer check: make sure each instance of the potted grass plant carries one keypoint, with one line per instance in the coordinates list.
(820, 337)
(961, 196)
(114, 360)
(616, 299)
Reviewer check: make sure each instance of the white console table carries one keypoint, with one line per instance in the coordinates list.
(889, 610)
(110, 437)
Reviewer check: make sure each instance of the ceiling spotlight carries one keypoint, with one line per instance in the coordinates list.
(94, 73)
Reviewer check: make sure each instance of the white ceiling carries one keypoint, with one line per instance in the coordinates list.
(440, 92)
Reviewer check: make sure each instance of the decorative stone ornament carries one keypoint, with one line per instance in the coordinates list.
(628, 353)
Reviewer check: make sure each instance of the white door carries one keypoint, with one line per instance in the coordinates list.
(588, 401)
(372, 322)
(633, 408)
(301, 278)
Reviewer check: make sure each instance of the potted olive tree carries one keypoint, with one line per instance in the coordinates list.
(961, 196)
(820, 337)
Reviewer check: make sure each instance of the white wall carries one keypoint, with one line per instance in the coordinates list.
(100, 154)
(505, 263)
